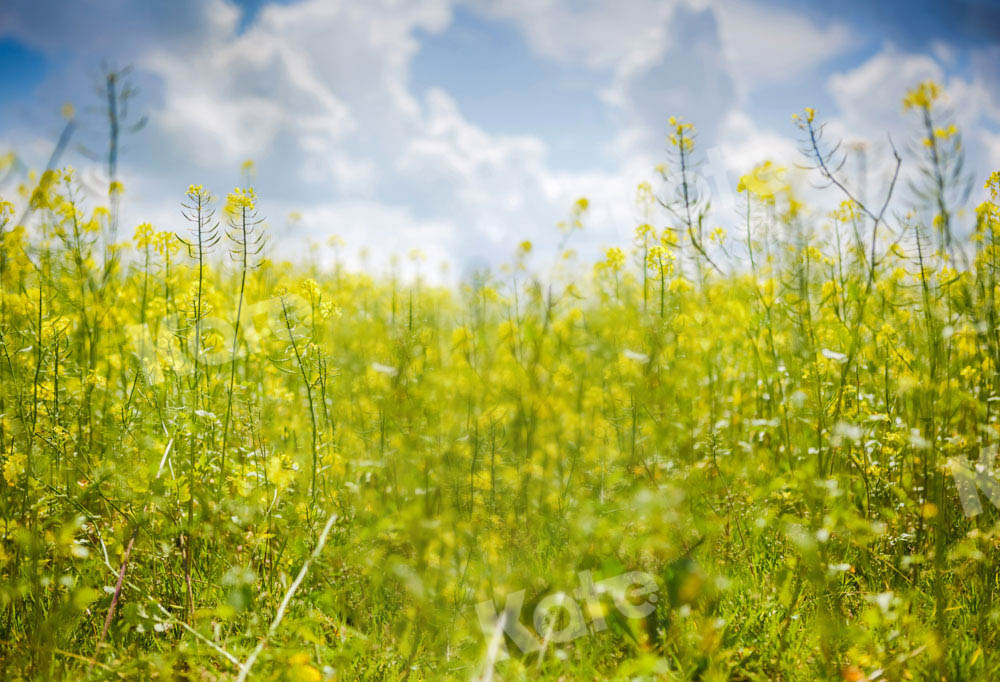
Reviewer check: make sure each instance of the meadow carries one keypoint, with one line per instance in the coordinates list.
(762, 442)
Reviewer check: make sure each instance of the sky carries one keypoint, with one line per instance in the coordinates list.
(462, 127)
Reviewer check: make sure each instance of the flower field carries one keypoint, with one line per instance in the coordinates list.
(755, 453)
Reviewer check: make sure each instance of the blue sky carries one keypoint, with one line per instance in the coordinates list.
(498, 82)
(462, 127)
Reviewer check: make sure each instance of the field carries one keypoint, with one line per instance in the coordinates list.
(739, 455)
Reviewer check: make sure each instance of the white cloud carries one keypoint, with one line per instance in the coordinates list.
(374, 227)
(870, 96)
(319, 94)
(501, 189)
(769, 45)
(593, 32)
(870, 112)
(763, 43)
(688, 77)
(746, 144)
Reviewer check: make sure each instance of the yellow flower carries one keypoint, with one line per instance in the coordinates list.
(6, 211)
(809, 117)
(278, 473)
(993, 185)
(660, 260)
(143, 235)
(764, 182)
(461, 339)
(615, 258)
(198, 194)
(14, 466)
(922, 96)
(644, 194)
(945, 133)
(301, 670)
(240, 200)
(580, 207)
(681, 135)
(165, 243)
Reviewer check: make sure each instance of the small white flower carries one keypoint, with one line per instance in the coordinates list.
(636, 355)
(884, 600)
(834, 355)
(847, 431)
(385, 369)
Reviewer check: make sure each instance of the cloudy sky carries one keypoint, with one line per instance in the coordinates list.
(462, 127)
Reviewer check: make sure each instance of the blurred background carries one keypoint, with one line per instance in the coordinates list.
(460, 128)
